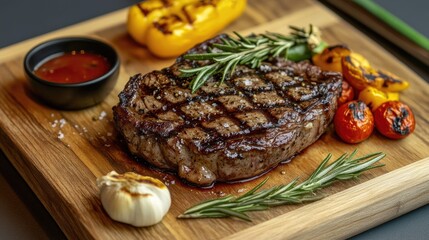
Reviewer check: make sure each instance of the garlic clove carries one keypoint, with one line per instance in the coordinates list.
(134, 199)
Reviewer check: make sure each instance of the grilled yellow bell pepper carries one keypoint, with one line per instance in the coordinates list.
(170, 27)
(358, 72)
(330, 58)
(373, 97)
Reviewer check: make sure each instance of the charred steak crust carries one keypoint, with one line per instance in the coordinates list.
(240, 129)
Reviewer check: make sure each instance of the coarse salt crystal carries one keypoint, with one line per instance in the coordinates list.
(54, 124)
(102, 115)
(60, 135)
(62, 122)
(247, 82)
(265, 68)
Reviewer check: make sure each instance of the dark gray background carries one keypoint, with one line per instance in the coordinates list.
(21, 214)
(23, 19)
(412, 12)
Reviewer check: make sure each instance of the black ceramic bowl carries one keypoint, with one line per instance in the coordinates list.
(71, 95)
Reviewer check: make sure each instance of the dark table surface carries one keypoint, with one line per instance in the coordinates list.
(22, 216)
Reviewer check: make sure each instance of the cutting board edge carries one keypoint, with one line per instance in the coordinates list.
(42, 188)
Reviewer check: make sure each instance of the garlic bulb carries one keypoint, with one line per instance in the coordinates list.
(134, 199)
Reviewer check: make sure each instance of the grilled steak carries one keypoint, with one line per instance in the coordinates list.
(240, 129)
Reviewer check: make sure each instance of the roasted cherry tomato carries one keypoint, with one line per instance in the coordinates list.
(347, 94)
(330, 58)
(353, 122)
(373, 97)
(394, 120)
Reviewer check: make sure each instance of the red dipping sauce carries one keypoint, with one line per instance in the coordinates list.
(73, 67)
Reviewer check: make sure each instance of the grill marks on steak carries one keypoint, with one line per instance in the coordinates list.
(240, 129)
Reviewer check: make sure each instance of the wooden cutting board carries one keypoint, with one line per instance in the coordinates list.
(62, 171)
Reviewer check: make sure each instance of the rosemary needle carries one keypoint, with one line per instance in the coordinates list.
(344, 168)
(252, 51)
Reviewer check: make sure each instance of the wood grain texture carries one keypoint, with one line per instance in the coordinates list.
(62, 172)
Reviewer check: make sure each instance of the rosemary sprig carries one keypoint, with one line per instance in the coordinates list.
(344, 168)
(252, 51)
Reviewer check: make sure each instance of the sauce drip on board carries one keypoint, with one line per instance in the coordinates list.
(73, 67)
